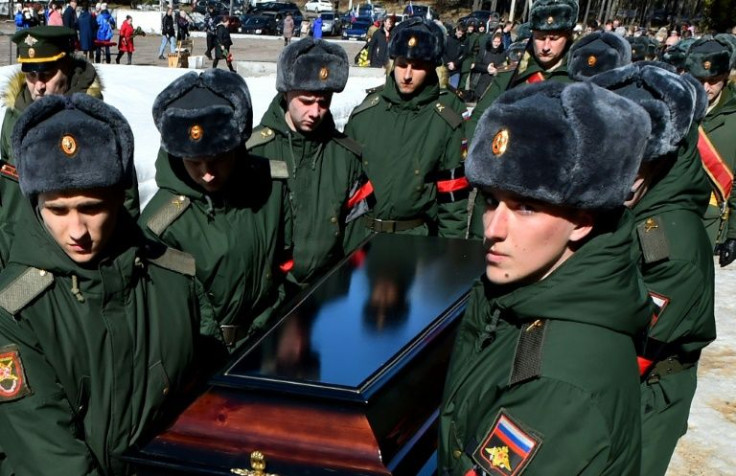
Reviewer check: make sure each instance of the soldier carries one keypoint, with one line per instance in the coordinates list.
(412, 134)
(97, 326)
(327, 188)
(709, 60)
(215, 201)
(551, 23)
(673, 253)
(597, 52)
(543, 376)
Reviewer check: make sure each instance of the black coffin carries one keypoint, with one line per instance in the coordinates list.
(347, 382)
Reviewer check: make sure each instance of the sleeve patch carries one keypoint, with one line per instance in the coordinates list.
(661, 302)
(507, 449)
(13, 382)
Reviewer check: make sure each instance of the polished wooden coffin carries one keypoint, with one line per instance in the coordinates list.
(348, 381)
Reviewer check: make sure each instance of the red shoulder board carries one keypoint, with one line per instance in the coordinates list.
(13, 382)
(508, 448)
(9, 171)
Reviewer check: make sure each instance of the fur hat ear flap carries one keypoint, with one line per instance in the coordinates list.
(417, 39)
(597, 52)
(312, 65)
(574, 145)
(204, 115)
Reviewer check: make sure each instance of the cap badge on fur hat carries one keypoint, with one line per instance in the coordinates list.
(592, 60)
(500, 142)
(69, 145)
(706, 65)
(324, 73)
(196, 132)
(550, 20)
(412, 42)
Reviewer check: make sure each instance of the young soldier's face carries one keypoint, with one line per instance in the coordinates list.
(549, 46)
(410, 74)
(211, 173)
(713, 86)
(81, 222)
(525, 240)
(306, 110)
(46, 83)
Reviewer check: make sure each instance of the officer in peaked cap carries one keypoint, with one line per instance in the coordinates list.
(82, 257)
(673, 253)
(322, 166)
(597, 52)
(544, 357)
(48, 67)
(412, 135)
(215, 201)
(709, 60)
(551, 23)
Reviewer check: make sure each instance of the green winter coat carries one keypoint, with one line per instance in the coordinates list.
(324, 171)
(675, 257)
(504, 81)
(100, 352)
(409, 148)
(236, 237)
(720, 126)
(575, 397)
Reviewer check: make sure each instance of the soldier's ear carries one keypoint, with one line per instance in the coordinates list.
(584, 221)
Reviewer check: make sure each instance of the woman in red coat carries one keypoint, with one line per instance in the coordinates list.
(126, 40)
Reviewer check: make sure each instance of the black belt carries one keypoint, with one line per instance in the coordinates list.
(377, 225)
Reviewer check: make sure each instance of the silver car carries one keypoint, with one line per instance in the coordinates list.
(330, 23)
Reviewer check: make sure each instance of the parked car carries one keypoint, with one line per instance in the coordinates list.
(317, 6)
(258, 24)
(423, 11)
(358, 30)
(331, 24)
(220, 7)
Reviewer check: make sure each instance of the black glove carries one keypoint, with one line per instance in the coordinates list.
(727, 252)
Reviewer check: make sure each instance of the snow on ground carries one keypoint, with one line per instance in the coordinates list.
(708, 446)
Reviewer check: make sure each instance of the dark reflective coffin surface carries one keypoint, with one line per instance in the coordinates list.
(347, 382)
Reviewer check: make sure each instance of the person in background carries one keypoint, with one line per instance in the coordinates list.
(105, 32)
(168, 34)
(126, 45)
(69, 17)
(317, 27)
(54, 17)
(87, 26)
(223, 42)
(378, 44)
(182, 21)
(487, 63)
(210, 25)
(288, 28)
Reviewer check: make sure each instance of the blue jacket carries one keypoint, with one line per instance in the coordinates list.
(105, 26)
(87, 31)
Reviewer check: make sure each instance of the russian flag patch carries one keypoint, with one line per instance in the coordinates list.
(508, 448)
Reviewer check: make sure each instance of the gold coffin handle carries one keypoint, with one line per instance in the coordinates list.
(258, 465)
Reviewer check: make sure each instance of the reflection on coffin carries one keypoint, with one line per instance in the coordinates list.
(348, 382)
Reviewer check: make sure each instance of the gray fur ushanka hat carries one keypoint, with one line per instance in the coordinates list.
(312, 65)
(553, 15)
(204, 115)
(584, 151)
(417, 39)
(72, 142)
(597, 52)
(668, 98)
(709, 57)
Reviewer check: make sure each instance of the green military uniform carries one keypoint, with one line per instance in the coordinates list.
(236, 238)
(719, 125)
(578, 412)
(410, 149)
(324, 173)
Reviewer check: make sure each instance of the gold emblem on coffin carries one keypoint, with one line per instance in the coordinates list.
(258, 465)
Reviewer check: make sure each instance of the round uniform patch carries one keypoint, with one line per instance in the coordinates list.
(592, 60)
(500, 142)
(68, 145)
(412, 42)
(324, 73)
(13, 383)
(31, 52)
(196, 132)
(706, 65)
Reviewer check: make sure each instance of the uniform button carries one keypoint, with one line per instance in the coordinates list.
(80, 409)
(165, 391)
(337, 233)
(333, 220)
(457, 454)
(182, 197)
(268, 275)
(419, 187)
(416, 171)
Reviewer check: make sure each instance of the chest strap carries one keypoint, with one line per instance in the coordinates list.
(24, 289)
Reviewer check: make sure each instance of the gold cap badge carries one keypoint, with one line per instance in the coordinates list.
(324, 73)
(31, 52)
(550, 20)
(196, 132)
(68, 145)
(706, 65)
(412, 42)
(30, 41)
(592, 60)
(500, 142)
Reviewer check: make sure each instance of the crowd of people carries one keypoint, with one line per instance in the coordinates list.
(602, 184)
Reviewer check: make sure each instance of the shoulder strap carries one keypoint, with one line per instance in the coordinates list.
(448, 114)
(349, 144)
(279, 169)
(653, 240)
(371, 100)
(24, 289)
(260, 136)
(175, 260)
(528, 359)
(165, 216)
(375, 90)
